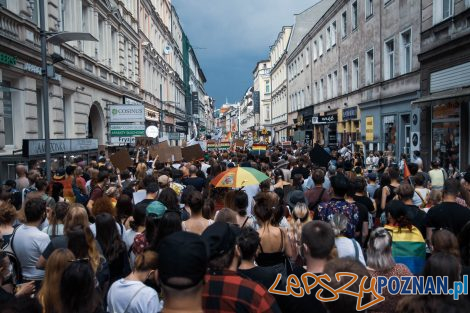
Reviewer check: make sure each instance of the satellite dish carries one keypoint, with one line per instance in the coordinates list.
(167, 50)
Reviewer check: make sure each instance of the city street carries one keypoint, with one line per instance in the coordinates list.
(234, 156)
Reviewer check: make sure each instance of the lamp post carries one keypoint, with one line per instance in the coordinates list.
(55, 38)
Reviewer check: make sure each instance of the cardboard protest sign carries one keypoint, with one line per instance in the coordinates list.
(162, 150)
(121, 160)
(224, 145)
(194, 152)
(176, 154)
(239, 143)
(143, 141)
(319, 156)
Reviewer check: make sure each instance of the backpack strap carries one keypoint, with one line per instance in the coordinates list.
(356, 250)
(135, 294)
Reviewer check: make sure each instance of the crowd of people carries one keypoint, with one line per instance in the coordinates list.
(159, 237)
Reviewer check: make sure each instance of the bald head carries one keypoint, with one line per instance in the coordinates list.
(192, 170)
(20, 170)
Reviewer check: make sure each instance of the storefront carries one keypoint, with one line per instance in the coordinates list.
(348, 126)
(446, 130)
(386, 125)
(325, 129)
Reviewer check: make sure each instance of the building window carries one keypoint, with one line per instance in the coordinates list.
(370, 67)
(320, 46)
(369, 8)
(320, 93)
(344, 24)
(329, 88)
(328, 38)
(355, 74)
(345, 80)
(335, 83)
(333, 34)
(315, 93)
(315, 49)
(405, 51)
(442, 10)
(40, 113)
(7, 113)
(389, 59)
(268, 86)
(354, 15)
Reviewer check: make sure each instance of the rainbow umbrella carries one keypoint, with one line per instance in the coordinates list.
(238, 177)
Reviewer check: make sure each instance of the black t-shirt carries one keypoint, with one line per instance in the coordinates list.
(418, 218)
(197, 182)
(265, 276)
(300, 170)
(381, 162)
(307, 303)
(448, 215)
(363, 217)
(144, 203)
(365, 201)
(5, 297)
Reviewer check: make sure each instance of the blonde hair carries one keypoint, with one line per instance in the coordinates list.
(49, 295)
(76, 215)
(141, 171)
(339, 223)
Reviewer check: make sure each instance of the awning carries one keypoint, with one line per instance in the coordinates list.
(456, 93)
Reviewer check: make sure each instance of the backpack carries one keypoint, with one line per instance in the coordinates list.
(10, 252)
(79, 196)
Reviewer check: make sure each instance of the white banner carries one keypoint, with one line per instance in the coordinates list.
(126, 113)
(122, 140)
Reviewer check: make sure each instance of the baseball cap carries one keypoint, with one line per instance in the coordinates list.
(163, 180)
(220, 237)
(156, 208)
(182, 256)
(296, 196)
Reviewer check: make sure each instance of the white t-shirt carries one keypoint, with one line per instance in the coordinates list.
(29, 243)
(345, 247)
(135, 294)
(128, 239)
(251, 192)
(59, 230)
(423, 192)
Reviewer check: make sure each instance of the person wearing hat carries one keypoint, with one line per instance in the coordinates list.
(222, 291)
(182, 266)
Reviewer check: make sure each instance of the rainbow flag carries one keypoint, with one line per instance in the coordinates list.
(408, 247)
(258, 148)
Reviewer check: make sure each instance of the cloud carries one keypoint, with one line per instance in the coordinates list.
(235, 34)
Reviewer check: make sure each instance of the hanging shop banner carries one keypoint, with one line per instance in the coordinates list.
(122, 140)
(369, 128)
(33, 147)
(120, 113)
(126, 130)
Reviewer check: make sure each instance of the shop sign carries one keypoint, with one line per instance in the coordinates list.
(7, 59)
(33, 147)
(131, 101)
(369, 128)
(173, 136)
(328, 119)
(28, 67)
(350, 114)
(122, 140)
(151, 115)
(446, 110)
(126, 113)
(126, 130)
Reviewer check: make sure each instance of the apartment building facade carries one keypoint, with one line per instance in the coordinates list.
(442, 133)
(278, 55)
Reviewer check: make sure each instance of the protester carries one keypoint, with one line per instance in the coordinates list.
(448, 215)
(223, 284)
(438, 175)
(28, 242)
(49, 295)
(77, 288)
(380, 262)
(337, 204)
(346, 247)
(56, 217)
(317, 194)
(130, 294)
(24, 290)
(196, 223)
(408, 245)
(7, 220)
(416, 216)
(194, 180)
(182, 266)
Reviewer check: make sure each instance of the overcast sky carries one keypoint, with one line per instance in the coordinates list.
(232, 36)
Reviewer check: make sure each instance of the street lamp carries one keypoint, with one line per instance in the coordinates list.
(56, 38)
